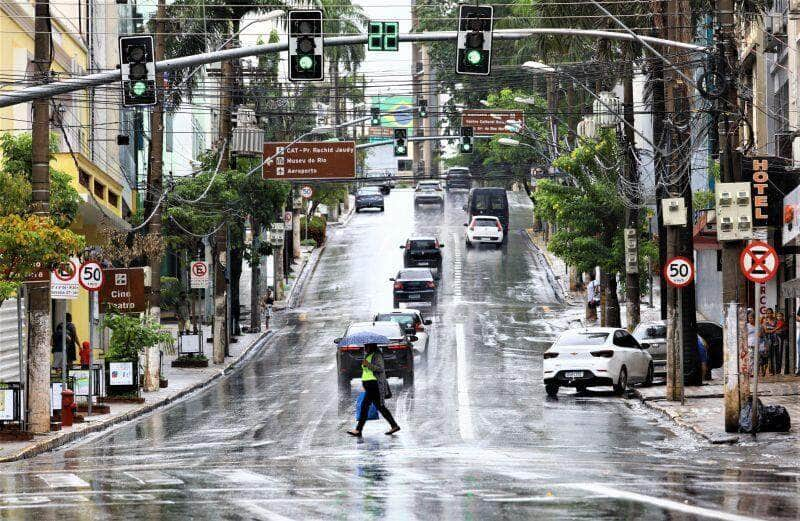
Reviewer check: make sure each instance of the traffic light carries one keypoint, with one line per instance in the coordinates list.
(383, 36)
(375, 113)
(423, 108)
(305, 45)
(138, 68)
(474, 39)
(466, 140)
(400, 146)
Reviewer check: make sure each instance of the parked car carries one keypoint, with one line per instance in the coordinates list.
(596, 356)
(414, 285)
(484, 230)
(369, 197)
(413, 324)
(489, 202)
(653, 335)
(398, 354)
(423, 252)
(457, 177)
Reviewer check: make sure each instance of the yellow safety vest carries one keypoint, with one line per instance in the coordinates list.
(366, 372)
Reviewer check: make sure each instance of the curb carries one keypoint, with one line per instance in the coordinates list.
(555, 282)
(714, 439)
(304, 275)
(346, 218)
(66, 438)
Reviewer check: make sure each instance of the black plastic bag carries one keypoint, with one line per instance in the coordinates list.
(746, 417)
(774, 418)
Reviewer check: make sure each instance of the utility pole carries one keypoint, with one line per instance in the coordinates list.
(37, 390)
(220, 346)
(679, 238)
(155, 187)
(632, 293)
(734, 287)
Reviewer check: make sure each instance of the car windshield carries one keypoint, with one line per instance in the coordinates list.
(368, 191)
(423, 244)
(584, 338)
(650, 332)
(403, 320)
(387, 329)
(414, 274)
(489, 202)
(489, 223)
(458, 172)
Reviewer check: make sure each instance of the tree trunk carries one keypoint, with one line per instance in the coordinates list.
(237, 258)
(220, 326)
(296, 233)
(612, 302)
(632, 293)
(152, 374)
(255, 278)
(37, 393)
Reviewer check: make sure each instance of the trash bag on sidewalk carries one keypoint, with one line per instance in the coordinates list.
(771, 418)
(775, 418)
(746, 417)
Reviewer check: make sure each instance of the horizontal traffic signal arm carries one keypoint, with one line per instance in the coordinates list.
(111, 76)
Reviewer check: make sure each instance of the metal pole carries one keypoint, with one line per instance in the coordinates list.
(21, 346)
(756, 362)
(229, 293)
(679, 332)
(64, 347)
(92, 302)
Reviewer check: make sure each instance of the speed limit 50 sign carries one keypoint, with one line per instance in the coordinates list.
(679, 272)
(90, 276)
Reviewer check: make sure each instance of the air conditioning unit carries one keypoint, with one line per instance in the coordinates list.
(725, 199)
(734, 211)
(742, 198)
(745, 224)
(726, 225)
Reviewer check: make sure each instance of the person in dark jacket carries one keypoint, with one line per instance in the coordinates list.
(376, 387)
(72, 343)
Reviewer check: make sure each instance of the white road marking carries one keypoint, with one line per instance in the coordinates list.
(63, 480)
(154, 477)
(262, 512)
(240, 476)
(666, 504)
(464, 416)
(457, 269)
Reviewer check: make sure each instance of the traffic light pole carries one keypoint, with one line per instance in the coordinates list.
(104, 78)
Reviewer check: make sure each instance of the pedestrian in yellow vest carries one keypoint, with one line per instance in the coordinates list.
(376, 388)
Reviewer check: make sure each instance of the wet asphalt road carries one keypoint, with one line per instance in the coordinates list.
(479, 439)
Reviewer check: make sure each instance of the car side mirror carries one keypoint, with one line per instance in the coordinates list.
(413, 338)
(464, 207)
(441, 245)
(402, 247)
(466, 224)
(337, 340)
(427, 322)
(392, 279)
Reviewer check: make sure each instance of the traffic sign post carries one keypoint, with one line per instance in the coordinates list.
(64, 285)
(198, 278)
(759, 264)
(679, 273)
(306, 192)
(90, 277)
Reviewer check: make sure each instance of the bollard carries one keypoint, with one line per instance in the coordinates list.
(68, 407)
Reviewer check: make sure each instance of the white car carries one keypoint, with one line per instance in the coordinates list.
(413, 323)
(429, 192)
(596, 356)
(484, 229)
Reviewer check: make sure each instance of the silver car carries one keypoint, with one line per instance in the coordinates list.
(653, 337)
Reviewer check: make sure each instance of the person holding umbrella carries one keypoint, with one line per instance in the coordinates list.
(376, 389)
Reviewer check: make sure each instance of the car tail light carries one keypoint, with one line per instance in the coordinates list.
(430, 284)
(499, 226)
(349, 348)
(395, 347)
(398, 285)
(606, 353)
(550, 355)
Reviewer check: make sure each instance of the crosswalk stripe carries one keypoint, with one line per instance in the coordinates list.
(63, 480)
(154, 477)
(240, 476)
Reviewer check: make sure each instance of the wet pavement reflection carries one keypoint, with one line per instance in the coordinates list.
(480, 440)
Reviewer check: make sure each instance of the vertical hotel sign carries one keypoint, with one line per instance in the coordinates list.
(760, 191)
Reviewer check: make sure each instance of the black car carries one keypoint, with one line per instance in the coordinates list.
(457, 177)
(369, 197)
(384, 180)
(414, 285)
(423, 252)
(398, 354)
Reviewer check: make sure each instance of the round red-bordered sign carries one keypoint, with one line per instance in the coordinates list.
(90, 276)
(679, 272)
(759, 262)
(199, 269)
(66, 276)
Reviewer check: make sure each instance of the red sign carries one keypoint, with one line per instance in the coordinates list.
(759, 262)
(679, 272)
(310, 160)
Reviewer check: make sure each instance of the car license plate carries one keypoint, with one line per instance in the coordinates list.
(476, 238)
(414, 296)
(423, 263)
(574, 374)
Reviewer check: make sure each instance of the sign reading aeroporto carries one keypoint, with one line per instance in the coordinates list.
(310, 160)
(490, 122)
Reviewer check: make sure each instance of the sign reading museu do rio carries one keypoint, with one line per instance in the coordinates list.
(310, 160)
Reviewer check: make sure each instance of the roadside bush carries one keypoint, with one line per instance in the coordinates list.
(317, 229)
(309, 242)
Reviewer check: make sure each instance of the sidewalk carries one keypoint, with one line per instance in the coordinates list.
(181, 381)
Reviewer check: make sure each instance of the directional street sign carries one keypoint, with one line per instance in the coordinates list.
(759, 262)
(679, 272)
(306, 192)
(490, 122)
(91, 276)
(64, 283)
(198, 275)
(310, 160)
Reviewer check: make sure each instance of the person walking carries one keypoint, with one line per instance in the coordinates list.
(376, 387)
(72, 343)
(182, 313)
(266, 307)
(592, 298)
(780, 342)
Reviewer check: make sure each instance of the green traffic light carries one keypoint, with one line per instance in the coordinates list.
(139, 88)
(401, 149)
(474, 57)
(305, 62)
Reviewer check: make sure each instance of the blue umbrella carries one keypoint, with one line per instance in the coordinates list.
(364, 337)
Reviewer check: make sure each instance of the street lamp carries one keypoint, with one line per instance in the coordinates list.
(525, 100)
(509, 142)
(538, 66)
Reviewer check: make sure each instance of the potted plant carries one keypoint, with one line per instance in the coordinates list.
(130, 336)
